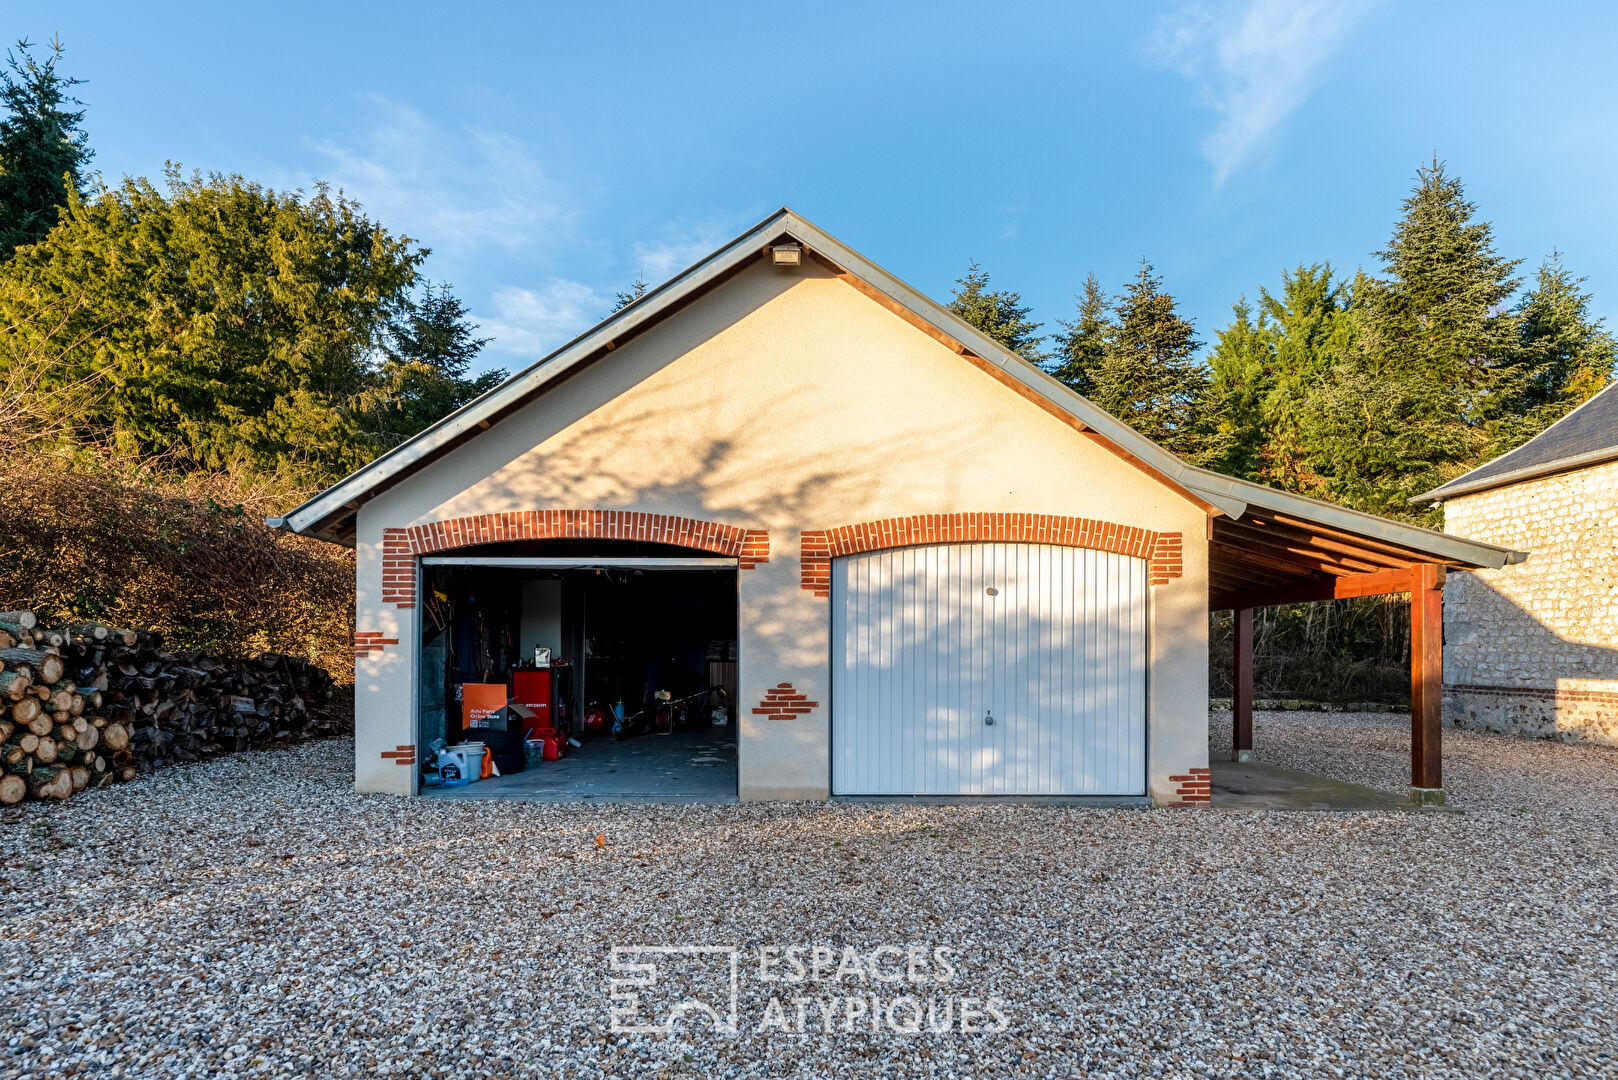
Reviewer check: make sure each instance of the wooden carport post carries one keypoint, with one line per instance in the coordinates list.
(1241, 685)
(1426, 683)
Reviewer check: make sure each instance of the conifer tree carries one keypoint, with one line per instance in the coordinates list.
(43, 152)
(424, 374)
(1081, 345)
(1149, 376)
(1440, 315)
(1566, 356)
(1240, 384)
(635, 292)
(1434, 359)
(1000, 314)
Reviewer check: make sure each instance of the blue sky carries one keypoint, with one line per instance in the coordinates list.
(548, 153)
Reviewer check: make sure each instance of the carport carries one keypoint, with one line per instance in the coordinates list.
(1289, 550)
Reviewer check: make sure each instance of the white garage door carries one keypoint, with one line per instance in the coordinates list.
(929, 644)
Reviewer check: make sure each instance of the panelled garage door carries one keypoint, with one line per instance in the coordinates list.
(988, 669)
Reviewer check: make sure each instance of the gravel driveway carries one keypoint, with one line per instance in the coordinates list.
(252, 917)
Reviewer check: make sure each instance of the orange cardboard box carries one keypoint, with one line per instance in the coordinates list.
(479, 701)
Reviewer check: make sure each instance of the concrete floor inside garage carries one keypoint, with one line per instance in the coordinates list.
(684, 767)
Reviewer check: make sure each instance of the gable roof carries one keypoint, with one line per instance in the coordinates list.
(330, 514)
(1586, 436)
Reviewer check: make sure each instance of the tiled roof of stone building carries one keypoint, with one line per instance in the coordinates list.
(1586, 436)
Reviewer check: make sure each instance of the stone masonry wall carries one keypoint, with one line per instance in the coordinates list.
(1532, 649)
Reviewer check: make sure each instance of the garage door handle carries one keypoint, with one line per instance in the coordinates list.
(988, 718)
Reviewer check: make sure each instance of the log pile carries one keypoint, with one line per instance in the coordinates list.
(84, 705)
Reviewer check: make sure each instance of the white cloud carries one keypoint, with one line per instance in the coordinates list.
(529, 323)
(455, 191)
(1252, 62)
(657, 261)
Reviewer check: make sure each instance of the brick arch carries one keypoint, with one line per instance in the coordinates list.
(818, 548)
(401, 546)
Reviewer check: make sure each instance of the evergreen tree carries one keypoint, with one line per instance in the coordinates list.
(43, 152)
(1434, 359)
(1149, 376)
(1240, 384)
(636, 291)
(1565, 358)
(240, 323)
(424, 376)
(1000, 314)
(1081, 345)
(1441, 314)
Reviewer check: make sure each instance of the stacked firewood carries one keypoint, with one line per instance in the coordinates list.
(83, 705)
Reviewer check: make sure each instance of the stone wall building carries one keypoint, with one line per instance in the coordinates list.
(1532, 648)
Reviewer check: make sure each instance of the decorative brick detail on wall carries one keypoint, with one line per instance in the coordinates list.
(1195, 789)
(1165, 561)
(398, 569)
(818, 547)
(402, 755)
(755, 548)
(368, 643)
(782, 702)
(749, 546)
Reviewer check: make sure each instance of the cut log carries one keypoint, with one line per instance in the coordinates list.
(25, 710)
(81, 777)
(89, 738)
(28, 743)
(14, 684)
(6, 728)
(24, 619)
(52, 783)
(46, 750)
(46, 667)
(12, 790)
(42, 723)
(115, 736)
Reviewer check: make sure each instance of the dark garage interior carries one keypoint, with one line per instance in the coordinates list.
(558, 672)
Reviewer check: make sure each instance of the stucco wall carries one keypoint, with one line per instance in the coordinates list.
(1532, 649)
(787, 401)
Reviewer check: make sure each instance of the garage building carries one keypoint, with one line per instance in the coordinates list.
(836, 540)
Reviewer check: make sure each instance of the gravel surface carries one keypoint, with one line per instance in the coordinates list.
(252, 917)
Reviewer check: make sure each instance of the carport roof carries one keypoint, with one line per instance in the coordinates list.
(330, 515)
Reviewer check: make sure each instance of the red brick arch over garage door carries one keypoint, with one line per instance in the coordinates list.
(401, 546)
(1161, 550)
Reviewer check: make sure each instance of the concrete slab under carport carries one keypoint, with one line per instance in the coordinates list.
(1253, 785)
(684, 767)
